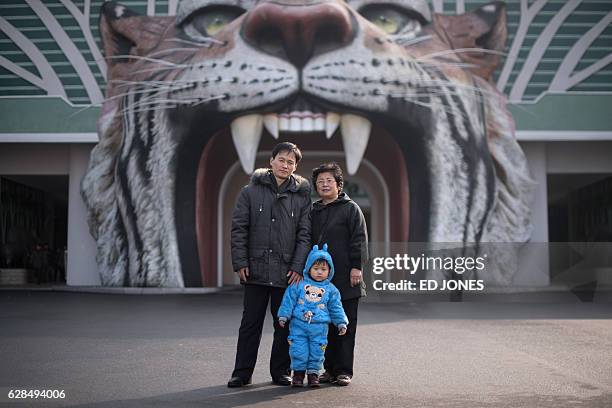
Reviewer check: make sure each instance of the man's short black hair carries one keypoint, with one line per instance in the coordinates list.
(331, 167)
(287, 147)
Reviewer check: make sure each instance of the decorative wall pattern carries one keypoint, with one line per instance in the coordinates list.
(51, 47)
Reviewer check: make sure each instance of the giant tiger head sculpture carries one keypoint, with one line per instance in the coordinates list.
(413, 86)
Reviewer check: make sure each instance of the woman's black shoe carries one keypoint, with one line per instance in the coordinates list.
(326, 377)
(237, 382)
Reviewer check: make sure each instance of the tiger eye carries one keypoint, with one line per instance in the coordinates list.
(388, 25)
(209, 22)
(390, 19)
(214, 26)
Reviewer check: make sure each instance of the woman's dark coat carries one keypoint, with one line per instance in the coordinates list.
(342, 226)
(271, 228)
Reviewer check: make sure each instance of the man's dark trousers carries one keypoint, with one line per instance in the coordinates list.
(251, 326)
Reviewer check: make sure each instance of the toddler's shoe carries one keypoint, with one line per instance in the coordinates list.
(298, 379)
(313, 380)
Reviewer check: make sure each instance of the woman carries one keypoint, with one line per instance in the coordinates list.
(338, 221)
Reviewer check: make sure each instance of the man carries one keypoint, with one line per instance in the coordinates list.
(270, 241)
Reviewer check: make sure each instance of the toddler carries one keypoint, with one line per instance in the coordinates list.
(310, 306)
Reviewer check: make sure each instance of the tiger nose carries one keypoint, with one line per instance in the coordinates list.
(296, 31)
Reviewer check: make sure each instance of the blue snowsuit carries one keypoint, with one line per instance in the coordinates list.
(310, 306)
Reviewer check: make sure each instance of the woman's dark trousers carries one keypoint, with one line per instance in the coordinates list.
(340, 349)
(253, 316)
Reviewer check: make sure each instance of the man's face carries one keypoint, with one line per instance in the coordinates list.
(283, 165)
(327, 187)
(319, 271)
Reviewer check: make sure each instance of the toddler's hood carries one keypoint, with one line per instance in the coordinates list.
(316, 254)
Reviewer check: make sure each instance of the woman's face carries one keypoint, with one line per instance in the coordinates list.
(327, 187)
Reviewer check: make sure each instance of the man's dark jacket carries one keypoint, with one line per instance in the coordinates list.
(271, 228)
(341, 225)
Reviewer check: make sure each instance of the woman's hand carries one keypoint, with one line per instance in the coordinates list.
(355, 277)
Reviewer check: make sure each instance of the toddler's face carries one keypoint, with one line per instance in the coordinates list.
(319, 271)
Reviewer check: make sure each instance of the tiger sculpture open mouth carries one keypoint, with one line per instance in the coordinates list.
(386, 78)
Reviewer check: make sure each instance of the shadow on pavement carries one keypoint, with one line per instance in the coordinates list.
(215, 396)
(219, 396)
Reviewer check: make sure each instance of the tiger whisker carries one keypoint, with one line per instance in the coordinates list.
(171, 103)
(463, 86)
(84, 108)
(459, 51)
(431, 106)
(160, 52)
(136, 92)
(152, 84)
(210, 40)
(140, 105)
(143, 87)
(433, 80)
(144, 110)
(436, 92)
(140, 58)
(160, 69)
(451, 63)
(405, 42)
(183, 66)
(212, 98)
(430, 93)
(155, 96)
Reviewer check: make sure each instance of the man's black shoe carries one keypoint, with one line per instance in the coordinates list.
(237, 382)
(282, 380)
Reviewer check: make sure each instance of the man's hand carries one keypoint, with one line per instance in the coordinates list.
(341, 330)
(244, 273)
(281, 323)
(294, 277)
(355, 277)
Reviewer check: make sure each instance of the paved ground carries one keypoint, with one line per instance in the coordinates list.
(177, 350)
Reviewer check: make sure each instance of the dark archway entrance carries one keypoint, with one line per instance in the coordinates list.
(33, 228)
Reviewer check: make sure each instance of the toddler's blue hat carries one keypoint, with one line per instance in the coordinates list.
(316, 254)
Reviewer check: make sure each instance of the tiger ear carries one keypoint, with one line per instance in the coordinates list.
(483, 28)
(124, 32)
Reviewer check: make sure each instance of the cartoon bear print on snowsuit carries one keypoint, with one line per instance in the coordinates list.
(310, 306)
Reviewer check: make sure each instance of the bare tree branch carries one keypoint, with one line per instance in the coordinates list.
(563, 79)
(539, 48)
(49, 81)
(83, 21)
(527, 16)
(22, 73)
(587, 72)
(438, 6)
(460, 7)
(172, 5)
(70, 50)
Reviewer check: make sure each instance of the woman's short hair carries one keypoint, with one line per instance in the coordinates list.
(331, 167)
